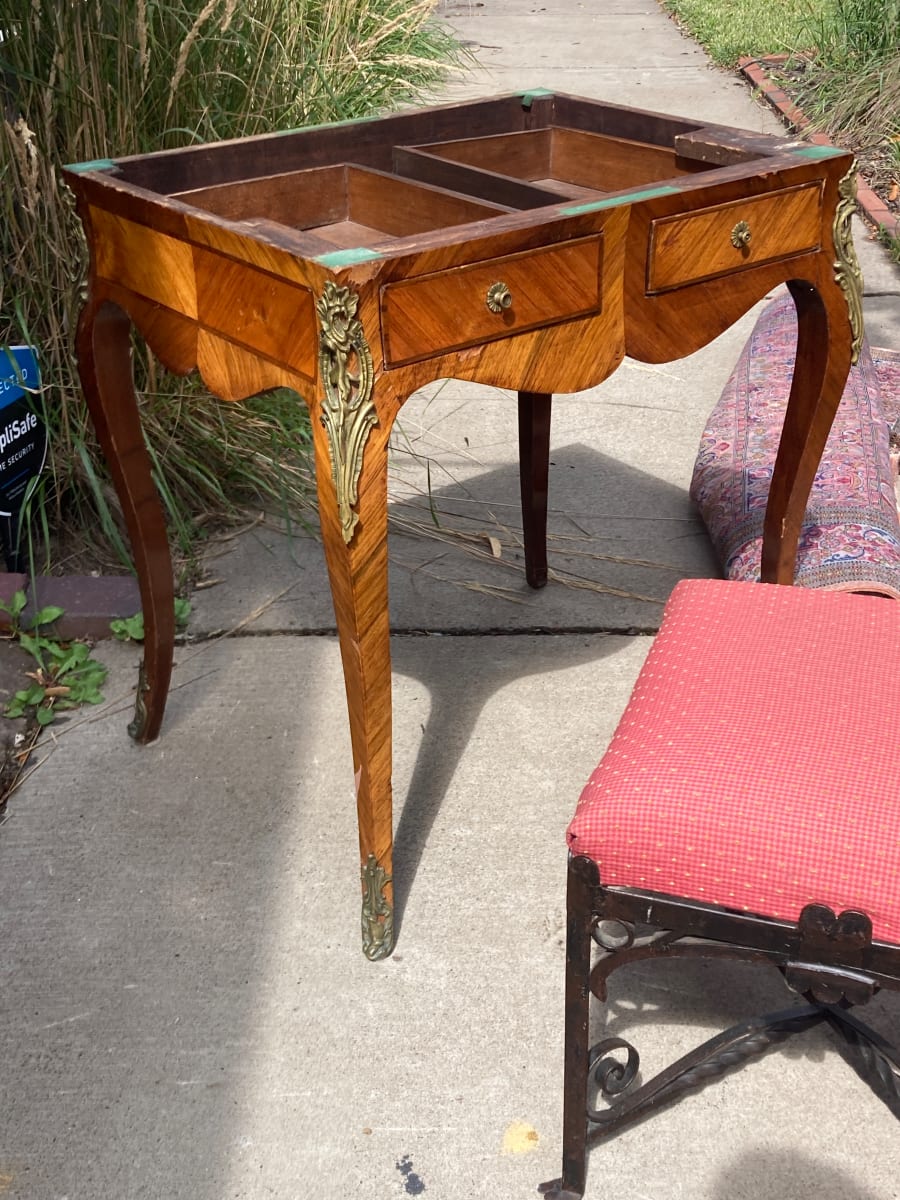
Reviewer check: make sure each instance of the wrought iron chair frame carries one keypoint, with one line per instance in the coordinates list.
(829, 960)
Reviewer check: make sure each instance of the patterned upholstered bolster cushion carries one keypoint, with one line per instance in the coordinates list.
(851, 535)
(756, 764)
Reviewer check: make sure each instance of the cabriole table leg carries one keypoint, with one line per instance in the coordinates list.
(358, 572)
(825, 351)
(105, 368)
(829, 341)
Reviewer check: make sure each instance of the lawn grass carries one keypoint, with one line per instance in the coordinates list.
(730, 29)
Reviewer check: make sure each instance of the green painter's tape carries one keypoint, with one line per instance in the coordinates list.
(326, 125)
(529, 97)
(347, 258)
(615, 201)
(96, 164)
(818, 152)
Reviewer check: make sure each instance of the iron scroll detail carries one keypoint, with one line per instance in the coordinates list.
(630, 1099)
(377, 912)
(348, 412)
(846, 268)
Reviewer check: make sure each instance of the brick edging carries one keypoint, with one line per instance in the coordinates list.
(89, 602)
(755, 71)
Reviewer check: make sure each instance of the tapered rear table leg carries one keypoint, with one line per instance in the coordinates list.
(105, 368)
(534, 467)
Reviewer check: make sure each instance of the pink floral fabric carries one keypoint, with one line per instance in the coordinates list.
(851, 535)
(887, 368)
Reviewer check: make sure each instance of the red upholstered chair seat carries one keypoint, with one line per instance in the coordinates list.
(757, 765)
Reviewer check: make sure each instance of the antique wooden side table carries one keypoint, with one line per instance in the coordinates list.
(527, 241)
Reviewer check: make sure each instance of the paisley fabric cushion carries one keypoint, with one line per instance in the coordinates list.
(851, 535)
(756, 764)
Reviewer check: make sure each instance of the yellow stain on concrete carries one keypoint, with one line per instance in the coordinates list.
(6, 1181)
(519, 1138)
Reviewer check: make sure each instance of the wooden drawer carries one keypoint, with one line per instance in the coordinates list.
(434, 314)
(701, 245)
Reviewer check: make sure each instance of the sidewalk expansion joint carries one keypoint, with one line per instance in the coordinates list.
(198, 639)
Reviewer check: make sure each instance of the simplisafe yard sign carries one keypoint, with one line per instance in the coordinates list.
(23, 443)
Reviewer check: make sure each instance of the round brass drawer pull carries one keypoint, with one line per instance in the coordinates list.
(499, 297)
(740, 236)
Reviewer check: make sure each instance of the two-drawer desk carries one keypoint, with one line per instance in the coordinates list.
(528, 241)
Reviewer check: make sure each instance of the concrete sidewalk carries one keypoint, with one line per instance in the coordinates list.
(186, 1012)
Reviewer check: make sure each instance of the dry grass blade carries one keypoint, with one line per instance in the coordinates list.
(492, 590)
(480, 545)
(185, 50)
(591, 585)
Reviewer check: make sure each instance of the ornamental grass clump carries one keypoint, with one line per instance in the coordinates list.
(851, 80)
(87, 79)
(848, 84)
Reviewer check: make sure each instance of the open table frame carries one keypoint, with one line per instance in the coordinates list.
(527, 241)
